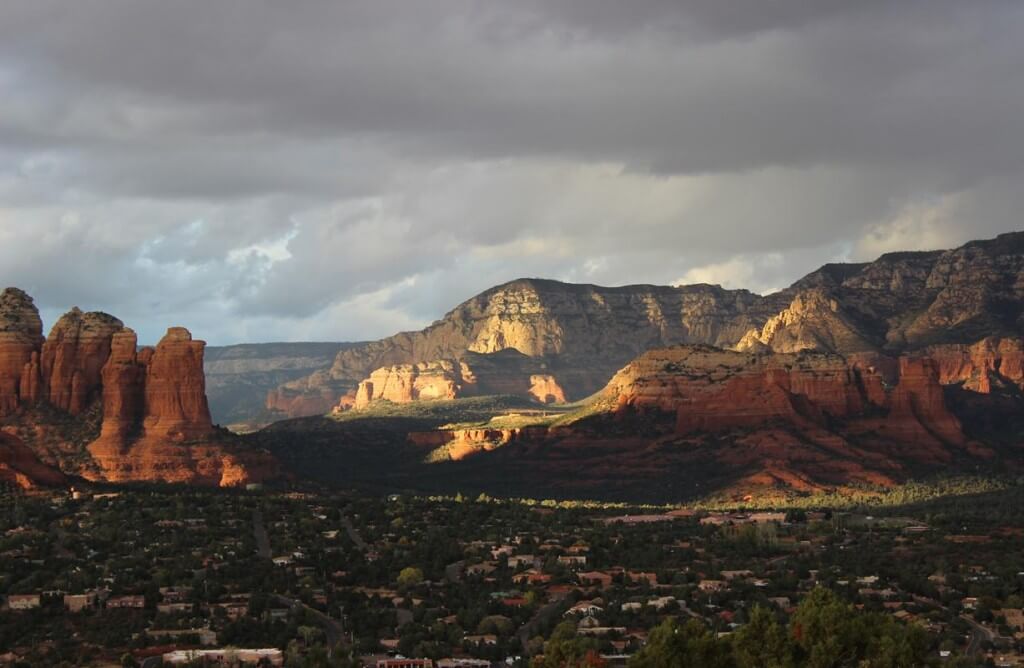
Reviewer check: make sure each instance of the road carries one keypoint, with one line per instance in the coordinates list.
(260, 531)
(354, 535)
(332, 627)
(978, 636)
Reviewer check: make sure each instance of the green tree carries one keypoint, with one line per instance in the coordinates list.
(762, 642)
(692, 645)
(410, 577)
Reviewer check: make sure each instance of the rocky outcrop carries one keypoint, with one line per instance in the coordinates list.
(857, 402)
(148, 407)
(156, 421)
(988, 364)
(19, 466)
(21, 336)
(902, 302)
(73, 357)
(458, 444)
(813, 321)
(506, 372)
(176, 407)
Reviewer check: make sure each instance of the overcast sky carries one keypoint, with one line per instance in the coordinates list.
(260, 170)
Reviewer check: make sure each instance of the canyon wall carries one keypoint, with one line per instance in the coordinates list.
(900, 303)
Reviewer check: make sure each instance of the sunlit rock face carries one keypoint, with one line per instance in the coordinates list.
(900, 303)
(504, 372)
(88, 401)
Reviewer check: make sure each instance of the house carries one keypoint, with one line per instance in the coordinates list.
(661, 602)
(487, 639)
(573, 560)
(532, 576)
(23, 601)
(79, 602)
(485, 568)
(463, 663)
(712, 585)
(229, 656)
(737, 575)
(405, 663)
(137, 602)
(649, 578)
(503, 551)
(584, 608)
(171, 608)
(519, 560)
(603, 580)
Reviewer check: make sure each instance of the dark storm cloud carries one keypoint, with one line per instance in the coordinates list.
(334, 169)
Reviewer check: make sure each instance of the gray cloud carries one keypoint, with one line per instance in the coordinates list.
(262, 170)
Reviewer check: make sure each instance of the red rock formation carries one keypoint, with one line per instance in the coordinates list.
(978, 367)
(505, 372)
(20, 466)
(176, 407)
(917, 407)
(546, 389)
(411, 382)
(458, 444)
(155, 421)
(21, 334)
(124, 382)
(713, 390)
(73, 357)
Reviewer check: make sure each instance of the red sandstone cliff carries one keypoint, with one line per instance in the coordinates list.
(21, 336)
(989, 363)
(715, 390)
(153, 421)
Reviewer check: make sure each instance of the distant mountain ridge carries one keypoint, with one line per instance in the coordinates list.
(899, 303)
(238, 377)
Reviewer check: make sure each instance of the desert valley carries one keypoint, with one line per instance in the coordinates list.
(523, 334)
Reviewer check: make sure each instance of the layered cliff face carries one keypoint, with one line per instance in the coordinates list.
(902, 302)
(21, 336)
(877, 416)
(581, 333)
(475, 374)
(73, 357)
(987, 365)
(87, 400)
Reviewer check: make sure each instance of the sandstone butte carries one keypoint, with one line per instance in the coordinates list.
(893, 409)
(153, 419)
(505, 372)
(902, 303)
